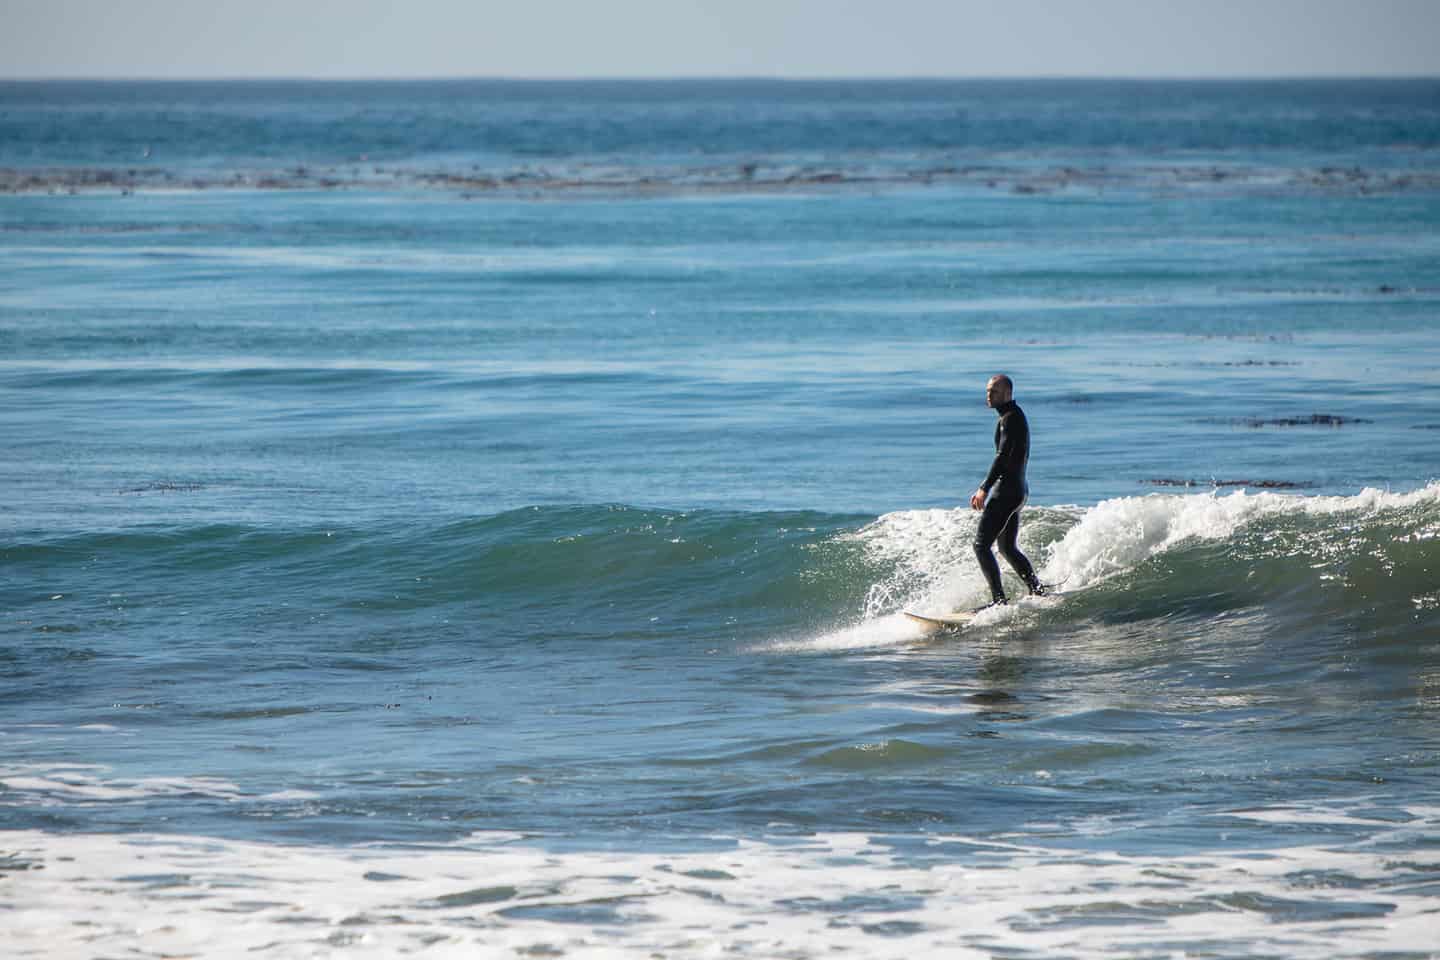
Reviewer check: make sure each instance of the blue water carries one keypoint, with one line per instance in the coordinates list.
(477, 516)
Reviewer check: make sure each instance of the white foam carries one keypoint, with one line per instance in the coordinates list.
(1117, 535)
(876, 632)
(497, 895)
(67, 784)
(493, 260)
(934, 564)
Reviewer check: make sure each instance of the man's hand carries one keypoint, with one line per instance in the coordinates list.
(977, 499)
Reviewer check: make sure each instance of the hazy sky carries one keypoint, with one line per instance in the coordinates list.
(644, 38)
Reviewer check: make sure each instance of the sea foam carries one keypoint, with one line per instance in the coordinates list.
(496, 895)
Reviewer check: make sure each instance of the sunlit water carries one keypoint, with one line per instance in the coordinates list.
(516, 566)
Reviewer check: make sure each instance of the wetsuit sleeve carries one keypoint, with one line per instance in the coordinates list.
(1011, 441)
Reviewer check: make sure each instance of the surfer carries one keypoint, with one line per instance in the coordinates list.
(1004, 492)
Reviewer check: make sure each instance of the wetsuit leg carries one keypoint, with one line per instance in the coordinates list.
(999, 515)
(1010, 550)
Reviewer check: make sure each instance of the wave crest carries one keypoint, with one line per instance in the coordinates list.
(1375, 547)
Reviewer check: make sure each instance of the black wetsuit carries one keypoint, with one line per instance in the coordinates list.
(1006, 488)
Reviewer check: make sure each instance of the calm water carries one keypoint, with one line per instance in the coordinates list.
(475, 518)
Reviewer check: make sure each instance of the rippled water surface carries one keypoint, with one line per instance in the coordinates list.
(477, 519)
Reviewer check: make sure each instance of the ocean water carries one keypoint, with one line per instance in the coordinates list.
(474, 519)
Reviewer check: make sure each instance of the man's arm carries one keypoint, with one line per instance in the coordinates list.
(997, 470)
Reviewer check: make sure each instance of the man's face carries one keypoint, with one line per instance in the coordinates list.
(995, 393)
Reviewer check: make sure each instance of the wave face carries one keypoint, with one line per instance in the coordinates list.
(595, 563)
(1369, 558)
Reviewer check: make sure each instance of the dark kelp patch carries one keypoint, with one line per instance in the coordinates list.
(1257, 484)
(1314, 420)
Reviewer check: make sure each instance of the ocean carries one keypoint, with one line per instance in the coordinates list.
(476, 518)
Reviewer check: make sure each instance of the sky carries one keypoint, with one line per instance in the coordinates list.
(755, 38)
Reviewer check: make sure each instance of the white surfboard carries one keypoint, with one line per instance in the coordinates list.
(948, 621)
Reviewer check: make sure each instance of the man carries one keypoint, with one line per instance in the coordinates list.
(1004, 491)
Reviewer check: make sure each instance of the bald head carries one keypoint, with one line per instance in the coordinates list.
(999, 390)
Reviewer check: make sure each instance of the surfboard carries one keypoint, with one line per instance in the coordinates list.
(949, 621)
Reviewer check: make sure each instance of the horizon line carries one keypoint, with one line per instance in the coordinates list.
(706, 77)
